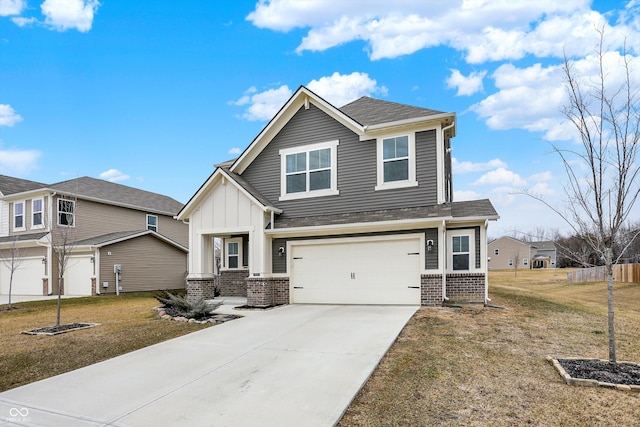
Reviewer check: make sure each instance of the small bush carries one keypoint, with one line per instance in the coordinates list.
(176, 305)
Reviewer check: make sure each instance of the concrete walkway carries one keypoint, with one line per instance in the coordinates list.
(4, 299)
(297, 365)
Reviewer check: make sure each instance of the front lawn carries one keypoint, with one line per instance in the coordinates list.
(127, 323)
(486, 366)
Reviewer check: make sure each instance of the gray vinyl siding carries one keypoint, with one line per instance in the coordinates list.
(279, 263)
(431, 258)
(148, 264)
(357, 174)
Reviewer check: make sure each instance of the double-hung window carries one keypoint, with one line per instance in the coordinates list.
(460, 252)
(36, 213)
(18, 216)
(309, 171)
(66, 212)
(234, 253)
(396, 162)
(152, 222)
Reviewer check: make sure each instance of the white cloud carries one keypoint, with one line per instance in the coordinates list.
(466, 85)
(8, 117)
(23, 22)
(114, 175)
(463, 195)
(14, 161)
(235, 151)
(467, 167)
(542, 177)
(484, 30)
(501, 176)
(338, 89)
(69, 14)
(11, 7)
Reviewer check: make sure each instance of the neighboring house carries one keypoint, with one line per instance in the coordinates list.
(107, 224)
(507, 253)
(348, 205)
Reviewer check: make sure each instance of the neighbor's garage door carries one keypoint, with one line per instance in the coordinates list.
(356, 272)
(27, 278)
(77, 278)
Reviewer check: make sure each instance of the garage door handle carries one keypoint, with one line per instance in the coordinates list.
(297, 257)
(298, 287)
(413, 287)
(413, 253)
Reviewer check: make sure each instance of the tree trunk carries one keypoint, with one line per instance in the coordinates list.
(612, 328)
(60, 285)
(10, 286)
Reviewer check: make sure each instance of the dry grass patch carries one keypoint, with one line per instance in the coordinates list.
(127, 323)
(487, 367)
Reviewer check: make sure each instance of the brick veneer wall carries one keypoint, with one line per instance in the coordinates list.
(201, 288)
(265, 292)
(45, 286)
(233, 283)
(467, 287)
(431, 290)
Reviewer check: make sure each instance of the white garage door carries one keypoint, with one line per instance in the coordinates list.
(27, 278)
(356, 272)
(77, 278)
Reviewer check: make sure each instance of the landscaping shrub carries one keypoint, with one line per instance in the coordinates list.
(176, 305)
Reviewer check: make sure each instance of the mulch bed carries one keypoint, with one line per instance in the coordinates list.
(602, 371)
(169, 313)
(55, 330)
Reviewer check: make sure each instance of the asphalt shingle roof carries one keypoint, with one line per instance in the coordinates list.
(119, 194)
(23, 237)
(370, 111)
(248, 187)
(11, 185)
(468, 209)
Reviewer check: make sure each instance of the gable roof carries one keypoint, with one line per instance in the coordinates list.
(121, 236)
(118, 194)
(11, 185)
(370, 111)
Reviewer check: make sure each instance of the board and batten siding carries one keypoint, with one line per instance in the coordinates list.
(148, 264)
(95, 219)
(356, 169)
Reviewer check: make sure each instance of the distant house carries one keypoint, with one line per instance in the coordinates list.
(349, 205)
(111, 227)
(507, 253)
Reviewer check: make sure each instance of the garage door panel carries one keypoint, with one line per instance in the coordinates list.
(364, 272)
(77, 277)
(27, 278)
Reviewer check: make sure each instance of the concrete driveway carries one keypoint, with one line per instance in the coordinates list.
(4, 299)
(290, 366)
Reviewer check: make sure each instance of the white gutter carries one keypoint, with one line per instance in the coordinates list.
(444, 261)
(404, 122)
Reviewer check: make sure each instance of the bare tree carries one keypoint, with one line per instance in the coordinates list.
(516, 262)
(12, 258)
(61, 239)
(606, 116)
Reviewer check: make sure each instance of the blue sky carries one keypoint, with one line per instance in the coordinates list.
(152, 94)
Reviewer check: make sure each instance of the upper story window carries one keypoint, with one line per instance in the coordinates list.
(66, 212)
(309, 171)
(37, 206)
(18, 216)
(396, 162)
(152, 222)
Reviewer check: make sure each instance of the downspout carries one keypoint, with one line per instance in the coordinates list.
(447, 191)
(444, 261)
(486, 268)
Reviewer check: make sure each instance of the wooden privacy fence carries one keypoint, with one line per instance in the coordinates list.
(626, 273)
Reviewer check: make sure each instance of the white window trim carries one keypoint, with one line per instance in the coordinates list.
(525, 261)
(33, 212)
(72, 213)
(237, 240)
(157, 222)
(332, 191)
(411, 182)
(472, 249)
(23, 215)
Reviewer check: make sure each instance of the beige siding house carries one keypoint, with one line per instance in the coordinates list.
(110, 227)
(507, 253)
